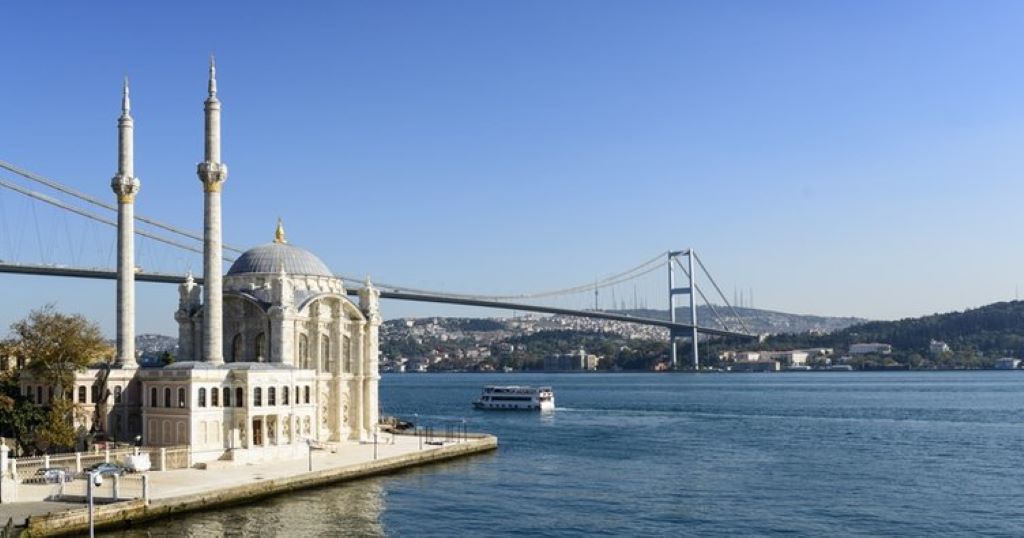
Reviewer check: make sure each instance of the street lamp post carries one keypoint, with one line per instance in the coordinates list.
(309, 450)
(95, 479)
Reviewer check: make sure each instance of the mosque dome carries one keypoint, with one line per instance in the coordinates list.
(273, 257)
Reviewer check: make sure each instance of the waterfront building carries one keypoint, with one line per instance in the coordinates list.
(935, 347)
(786, 358)
(571, 362)
(1007, 363)
(756, 366)
(271, 355)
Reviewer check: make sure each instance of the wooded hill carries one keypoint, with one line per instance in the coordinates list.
(976, 337)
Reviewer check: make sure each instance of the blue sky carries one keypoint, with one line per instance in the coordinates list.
(844, 158)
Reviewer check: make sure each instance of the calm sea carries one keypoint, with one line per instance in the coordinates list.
(843, 453)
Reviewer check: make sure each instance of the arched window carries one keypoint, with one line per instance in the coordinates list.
(181, 397)
(239, 397)
(303, 352)
(202, 397)
(214, 396)
(94, 394)
(271, 396)
(325, 352)
(167, 396)
(284, 395)
(152, 397)
(39, 393)
(117, 394)
(81, 395)
(227, 397)
(49, 394)
(236, 348)
(307, 393)
(261, 347)
(257, 397)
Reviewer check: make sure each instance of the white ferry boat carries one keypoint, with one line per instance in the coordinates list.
(516, 397)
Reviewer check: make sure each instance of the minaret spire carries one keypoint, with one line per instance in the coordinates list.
(125, 185)
(212, 172)
(126, 103)
(213, 76)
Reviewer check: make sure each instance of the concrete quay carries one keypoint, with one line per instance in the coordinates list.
(177, 491)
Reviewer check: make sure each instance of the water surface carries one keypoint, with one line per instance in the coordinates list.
(804, 453)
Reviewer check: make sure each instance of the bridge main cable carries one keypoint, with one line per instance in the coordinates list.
(97, 202)
(624, 276)
(92, 216)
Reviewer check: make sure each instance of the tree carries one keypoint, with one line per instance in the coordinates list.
(55, 347)
(18, 416)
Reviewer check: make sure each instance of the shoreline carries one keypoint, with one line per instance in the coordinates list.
(241, 484)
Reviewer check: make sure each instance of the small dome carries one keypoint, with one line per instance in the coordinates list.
(273, 257)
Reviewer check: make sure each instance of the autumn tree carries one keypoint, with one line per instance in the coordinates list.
(55, 347)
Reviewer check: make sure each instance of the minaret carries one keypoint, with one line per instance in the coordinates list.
(212, 173)
(125, 186)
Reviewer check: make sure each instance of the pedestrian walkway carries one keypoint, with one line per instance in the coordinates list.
(180, 488)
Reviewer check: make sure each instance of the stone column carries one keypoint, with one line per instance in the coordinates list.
(212, 172)
(125, 186)
(356, 383)
(337, 385)
(369, 302)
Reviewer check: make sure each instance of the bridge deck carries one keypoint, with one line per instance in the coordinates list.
(103, 274)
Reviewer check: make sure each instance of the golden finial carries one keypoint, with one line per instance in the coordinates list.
(279, 233)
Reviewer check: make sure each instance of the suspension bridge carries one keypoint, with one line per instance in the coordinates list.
(53, 212)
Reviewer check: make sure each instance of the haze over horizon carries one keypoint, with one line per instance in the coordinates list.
(847, 159)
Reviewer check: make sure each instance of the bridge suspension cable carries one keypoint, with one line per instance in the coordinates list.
(97, 202)
(642, 269)
(68, 207)
(718, 317)
(720, 294)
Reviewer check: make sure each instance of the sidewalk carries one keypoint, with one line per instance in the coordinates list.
(188, 489)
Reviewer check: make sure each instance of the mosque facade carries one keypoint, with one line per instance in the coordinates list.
(271, 355)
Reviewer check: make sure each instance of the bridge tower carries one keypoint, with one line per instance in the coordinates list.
(673, 258)
(212, 172)
(125, 185)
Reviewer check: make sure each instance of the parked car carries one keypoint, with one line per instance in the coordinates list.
(54, 475)
(106, 469)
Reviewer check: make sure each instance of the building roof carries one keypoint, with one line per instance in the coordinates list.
(277, 256)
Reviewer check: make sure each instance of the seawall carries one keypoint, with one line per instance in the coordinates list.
(128, 513)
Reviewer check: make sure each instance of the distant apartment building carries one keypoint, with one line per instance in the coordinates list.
(870, 348)
(937, 348)
(795, 357)
(571, 362)
(1007, 363)
(739, 356)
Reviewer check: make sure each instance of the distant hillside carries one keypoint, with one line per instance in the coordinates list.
(757, 321)
(994, 330)
(154, 345)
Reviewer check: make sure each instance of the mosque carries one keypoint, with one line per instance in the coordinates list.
(270, 355)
